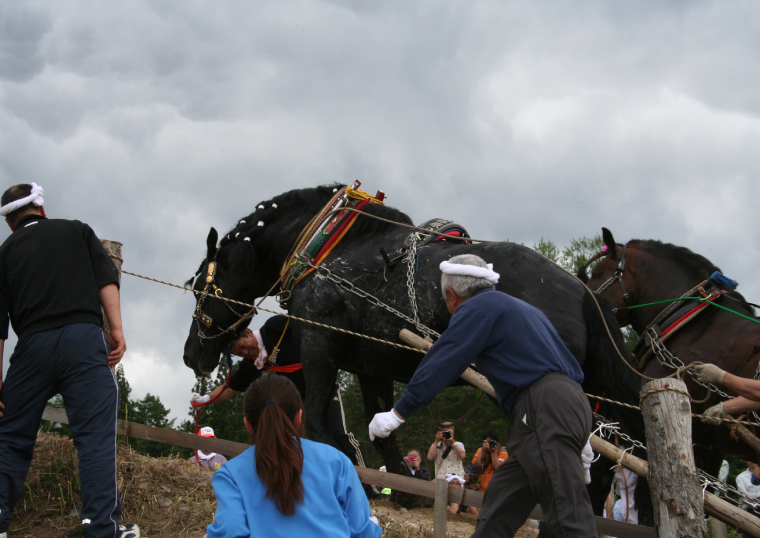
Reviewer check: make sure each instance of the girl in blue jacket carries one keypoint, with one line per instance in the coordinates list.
(285, 485)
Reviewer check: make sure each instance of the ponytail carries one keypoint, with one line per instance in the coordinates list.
(271, 405)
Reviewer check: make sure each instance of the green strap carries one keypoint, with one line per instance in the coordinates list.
(686, 299)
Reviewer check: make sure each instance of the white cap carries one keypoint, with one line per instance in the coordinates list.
(206, 431)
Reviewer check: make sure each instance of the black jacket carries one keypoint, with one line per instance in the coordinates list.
(51, 272)
(290, 353)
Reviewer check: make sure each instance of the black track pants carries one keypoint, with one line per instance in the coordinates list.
(548, 428)
(71, 360)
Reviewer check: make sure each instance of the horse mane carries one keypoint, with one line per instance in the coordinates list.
(694, 264)
(307, 203)
(304, 203)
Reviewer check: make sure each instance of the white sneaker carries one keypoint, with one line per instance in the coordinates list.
(125, 531)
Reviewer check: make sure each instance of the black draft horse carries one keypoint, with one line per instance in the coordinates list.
(249, 259)
(655, 271)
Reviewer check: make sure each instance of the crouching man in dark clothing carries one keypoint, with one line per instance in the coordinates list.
(537, 381)
(54, 277)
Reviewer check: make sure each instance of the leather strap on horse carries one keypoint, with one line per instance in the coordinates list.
(286, 369)
(322, 234)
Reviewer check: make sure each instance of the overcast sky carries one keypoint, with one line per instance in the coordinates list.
(152, 121)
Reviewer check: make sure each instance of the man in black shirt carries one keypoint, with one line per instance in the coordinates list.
(54, 277)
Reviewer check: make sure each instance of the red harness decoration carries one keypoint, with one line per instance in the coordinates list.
(289, 369)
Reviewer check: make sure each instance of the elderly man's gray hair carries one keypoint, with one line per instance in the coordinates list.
(465, 286)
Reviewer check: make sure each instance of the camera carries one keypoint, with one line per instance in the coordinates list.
(411, 458)
(446, 434)
(493, 444)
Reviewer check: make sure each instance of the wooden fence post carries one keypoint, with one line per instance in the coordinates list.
(440, 512)
(673, 478)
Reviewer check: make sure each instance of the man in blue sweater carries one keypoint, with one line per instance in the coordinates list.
(537, 381)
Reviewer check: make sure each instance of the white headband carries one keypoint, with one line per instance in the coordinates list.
(34, 198)
(450, 477)
(470, 270)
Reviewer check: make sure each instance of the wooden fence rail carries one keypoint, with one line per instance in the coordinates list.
(367, 476)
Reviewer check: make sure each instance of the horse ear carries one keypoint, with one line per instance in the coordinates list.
(609, 242)
(213, 236)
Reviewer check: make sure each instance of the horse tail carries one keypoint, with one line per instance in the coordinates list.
(605, 373)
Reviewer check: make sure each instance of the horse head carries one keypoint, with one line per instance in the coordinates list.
(609, 277)
(228, 272)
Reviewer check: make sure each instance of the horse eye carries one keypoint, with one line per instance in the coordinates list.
(595, 275)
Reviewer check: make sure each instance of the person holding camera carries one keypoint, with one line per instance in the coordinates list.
(447, 453)
(489, 457)
(413, 461)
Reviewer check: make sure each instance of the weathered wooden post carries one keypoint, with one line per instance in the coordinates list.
(440, 511)
(676, 492)
(114, 250)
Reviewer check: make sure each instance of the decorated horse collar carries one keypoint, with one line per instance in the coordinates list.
(677, 314)
(320, 236)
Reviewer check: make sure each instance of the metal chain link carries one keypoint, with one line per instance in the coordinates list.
(349, 286)
(607, 429)
(411, 262)
(666, 358)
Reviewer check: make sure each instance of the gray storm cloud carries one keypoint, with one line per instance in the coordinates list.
(154, 121)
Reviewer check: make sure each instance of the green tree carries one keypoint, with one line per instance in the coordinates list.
(580, 251)
(151, 412)
(548, 249)
(124, 391)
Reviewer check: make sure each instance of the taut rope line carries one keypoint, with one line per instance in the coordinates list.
(254, 307)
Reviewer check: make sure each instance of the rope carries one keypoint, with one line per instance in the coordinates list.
(253, 307)
(755, 320)
(466, 415)
(697, 415)
(648, 393)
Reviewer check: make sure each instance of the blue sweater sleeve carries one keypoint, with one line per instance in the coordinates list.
(230, 520)
(355, 505)
(459, 345)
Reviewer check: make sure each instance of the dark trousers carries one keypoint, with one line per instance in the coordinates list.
(71, 360)
(548, 428)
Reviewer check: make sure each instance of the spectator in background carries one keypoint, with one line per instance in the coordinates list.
(447, 452)
(744, 485)
(489, 457)
(207, 460)
(456, 481)
(413, 461)
(285, 485)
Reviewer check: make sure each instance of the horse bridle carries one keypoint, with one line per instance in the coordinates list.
(617, 276)
(201, 318)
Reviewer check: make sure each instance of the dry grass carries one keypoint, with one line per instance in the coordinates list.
(165, 497)
(52, 490)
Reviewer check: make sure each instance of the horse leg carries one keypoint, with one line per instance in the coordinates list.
(377, 395)
(320, 374)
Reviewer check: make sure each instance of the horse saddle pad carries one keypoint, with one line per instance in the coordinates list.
(440, 230)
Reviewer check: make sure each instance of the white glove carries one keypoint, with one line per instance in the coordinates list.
(383, 424)
(199, 400)
(709, 373)
(718, 411)
(587, 455)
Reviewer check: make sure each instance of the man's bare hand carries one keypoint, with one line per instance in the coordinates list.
(118, 347)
